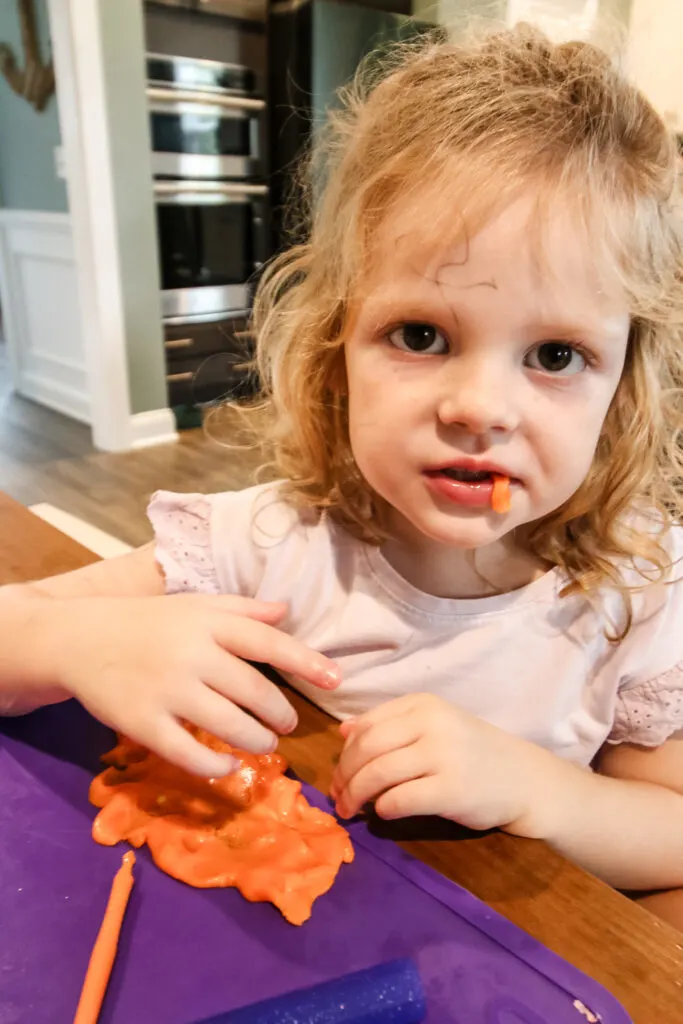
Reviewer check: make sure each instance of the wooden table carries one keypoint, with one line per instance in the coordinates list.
(638, 958)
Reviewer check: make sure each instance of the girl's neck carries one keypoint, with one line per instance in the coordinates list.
(456, 573)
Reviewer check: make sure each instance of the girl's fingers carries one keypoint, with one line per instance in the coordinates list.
(175, 744)
(414, 797)
(365, 746)
(396, 708)
(257, 641)
(219, 716)
(245, 685)
(380, 775)
(264, 611)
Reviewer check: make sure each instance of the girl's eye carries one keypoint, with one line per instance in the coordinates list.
(556, 357)
(419, 338)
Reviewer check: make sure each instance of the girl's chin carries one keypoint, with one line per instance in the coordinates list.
(466, 532)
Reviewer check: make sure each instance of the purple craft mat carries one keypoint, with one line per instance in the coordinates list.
(186, 954)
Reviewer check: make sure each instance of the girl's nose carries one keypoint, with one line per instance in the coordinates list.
(479, 397)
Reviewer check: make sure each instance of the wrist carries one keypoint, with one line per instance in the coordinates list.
(553, 787)
(32, 638)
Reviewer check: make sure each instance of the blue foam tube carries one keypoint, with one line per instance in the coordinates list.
(390, 993)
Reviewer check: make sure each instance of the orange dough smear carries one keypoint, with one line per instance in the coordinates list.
(254, 829)
(106, 944)
(500, 498)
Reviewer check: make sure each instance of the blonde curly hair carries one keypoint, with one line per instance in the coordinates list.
(511, 111)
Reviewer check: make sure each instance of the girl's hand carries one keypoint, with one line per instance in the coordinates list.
(142, 665)
(421, 755)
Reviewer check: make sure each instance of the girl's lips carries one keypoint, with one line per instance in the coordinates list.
(467, 494)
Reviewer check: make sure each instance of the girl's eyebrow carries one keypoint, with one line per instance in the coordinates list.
(591, 330)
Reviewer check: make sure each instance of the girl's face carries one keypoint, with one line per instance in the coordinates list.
(491, 357)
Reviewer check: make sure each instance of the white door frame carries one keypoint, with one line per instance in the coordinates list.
(77, 54)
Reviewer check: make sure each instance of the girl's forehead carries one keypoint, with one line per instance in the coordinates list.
(540, 245)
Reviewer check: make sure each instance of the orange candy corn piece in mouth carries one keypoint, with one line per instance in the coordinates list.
(500, 497)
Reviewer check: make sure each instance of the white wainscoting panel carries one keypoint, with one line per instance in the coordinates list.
(41, 315)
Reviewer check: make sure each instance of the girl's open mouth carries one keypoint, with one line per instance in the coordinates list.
(466, 475)
(470, 488)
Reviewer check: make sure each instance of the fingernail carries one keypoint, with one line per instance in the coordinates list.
(229, 765)
(290, 725)
(331, 676)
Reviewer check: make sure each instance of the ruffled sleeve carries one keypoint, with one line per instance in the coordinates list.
(649, 701)
(649, 713)
(249, 542)
(182, 528)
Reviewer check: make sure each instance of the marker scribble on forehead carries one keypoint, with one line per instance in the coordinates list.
(480, 284)
(442, 292)
(454, 263)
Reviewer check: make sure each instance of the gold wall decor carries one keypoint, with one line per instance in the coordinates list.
(35, 81)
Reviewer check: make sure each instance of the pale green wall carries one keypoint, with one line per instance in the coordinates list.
(343, 33)
(27, 139)
(123, 47)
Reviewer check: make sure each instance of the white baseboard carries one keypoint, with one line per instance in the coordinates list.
(41, 313)
(55, 396)
(91, 537)
(154, 427)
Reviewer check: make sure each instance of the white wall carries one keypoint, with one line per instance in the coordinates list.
(98, 50)
(559, 18)
(655, 55)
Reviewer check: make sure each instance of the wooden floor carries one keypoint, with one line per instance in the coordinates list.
(46, 457)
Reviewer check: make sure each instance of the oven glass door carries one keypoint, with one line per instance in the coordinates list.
(203, 130)
(212, 238)
(192, 73)
(206, 140)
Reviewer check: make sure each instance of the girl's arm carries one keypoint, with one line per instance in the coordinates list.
(135, 574)
(27, 669)
(623, 822)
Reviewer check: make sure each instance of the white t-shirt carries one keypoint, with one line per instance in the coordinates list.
(532, 662)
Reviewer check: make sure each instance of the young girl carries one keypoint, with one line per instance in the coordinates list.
(487, 313)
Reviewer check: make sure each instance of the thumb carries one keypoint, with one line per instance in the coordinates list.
(265, 611)
(346, 727)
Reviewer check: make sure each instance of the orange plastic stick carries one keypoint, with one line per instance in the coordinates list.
(104, 951)
(500, 498)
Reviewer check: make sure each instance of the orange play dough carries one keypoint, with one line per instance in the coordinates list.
(104, 951)
(254, 829)
(500, 496)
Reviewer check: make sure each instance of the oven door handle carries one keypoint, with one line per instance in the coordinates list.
(200, 192)
(205, 99)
